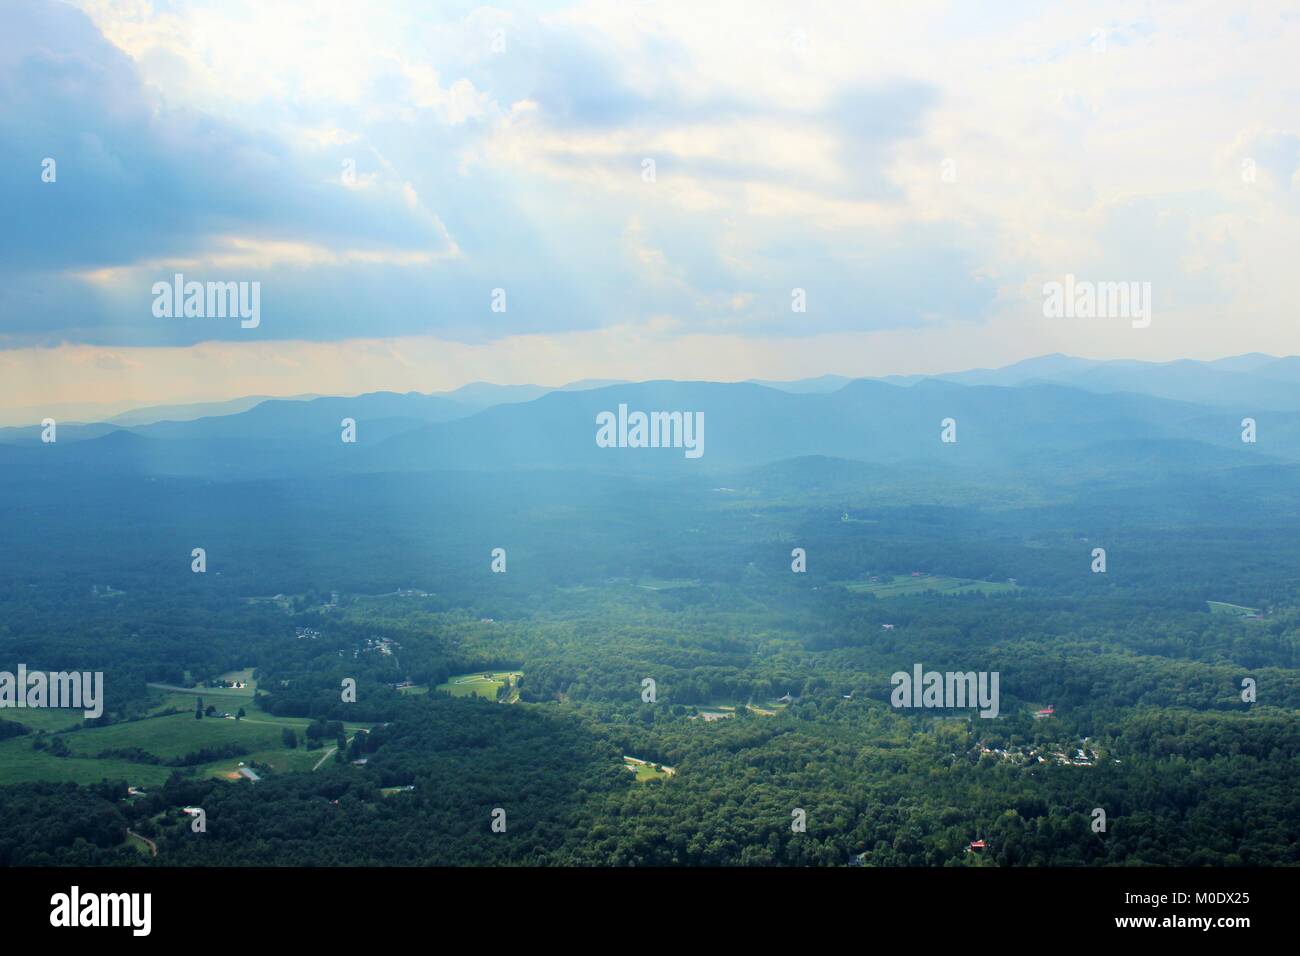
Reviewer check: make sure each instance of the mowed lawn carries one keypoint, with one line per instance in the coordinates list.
(1237, 610)
(19, 763)
(645, 770)
(174, 736)
(44, 718)
(479, 683)
(901, 585)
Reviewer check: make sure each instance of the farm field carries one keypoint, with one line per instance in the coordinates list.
(902, 585)
(666, 584)
(44, 718)
(166, 736)
(728, 707)
(481, 684)
(19, 763)
(1236, 610)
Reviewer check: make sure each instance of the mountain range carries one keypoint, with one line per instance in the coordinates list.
(1053, 414)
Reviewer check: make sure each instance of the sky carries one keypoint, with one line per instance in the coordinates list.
(432, 194)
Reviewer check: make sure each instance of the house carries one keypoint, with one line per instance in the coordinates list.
(1047, 711)
(191, 811)
(249, 773)
(787, 699)
(976, 845)
(886, 627)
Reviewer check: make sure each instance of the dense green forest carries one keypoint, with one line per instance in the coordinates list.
(772, 688)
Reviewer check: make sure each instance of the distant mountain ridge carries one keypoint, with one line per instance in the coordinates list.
(1250, 381)
(1008, 430)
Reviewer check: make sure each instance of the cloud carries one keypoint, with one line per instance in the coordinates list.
(139, 182)
(381, 170)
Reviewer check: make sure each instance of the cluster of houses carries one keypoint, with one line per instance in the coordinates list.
(384, 645)
(307, 633)
(1082, 756)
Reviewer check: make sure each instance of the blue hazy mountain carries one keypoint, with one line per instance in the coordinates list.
(1027, 429)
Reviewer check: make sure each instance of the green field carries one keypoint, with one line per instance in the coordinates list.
(726, 706)
(1237, 610)
(900, 585)
(44, 718)
(165, 736)
(645, 771)
(211, 695)
(19, 763)
(666, 584)
(481, 684)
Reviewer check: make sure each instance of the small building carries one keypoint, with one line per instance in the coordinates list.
(249, 773)
(1048, 711)
(976, 846)
(787, 699)
(886, 627)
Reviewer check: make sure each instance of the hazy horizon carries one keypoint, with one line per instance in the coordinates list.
(610, 190)
(88, 411)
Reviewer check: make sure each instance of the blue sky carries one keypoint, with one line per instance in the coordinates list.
(381, 168)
